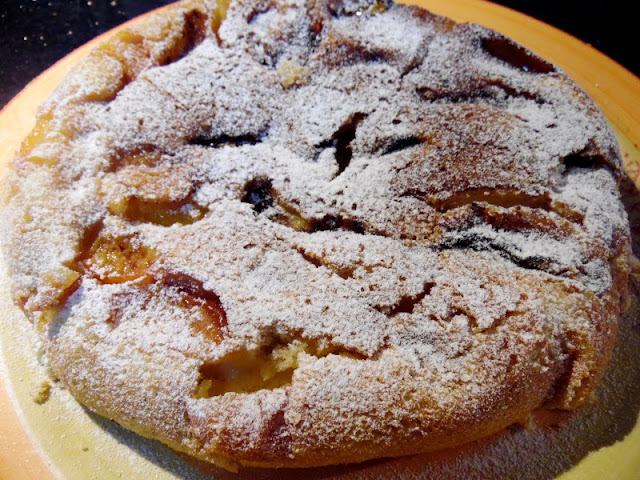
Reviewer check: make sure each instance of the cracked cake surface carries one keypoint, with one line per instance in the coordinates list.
(288, 234)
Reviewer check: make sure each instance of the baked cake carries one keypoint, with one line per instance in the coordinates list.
(287, 234)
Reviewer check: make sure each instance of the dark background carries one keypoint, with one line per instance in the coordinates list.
(34, 34)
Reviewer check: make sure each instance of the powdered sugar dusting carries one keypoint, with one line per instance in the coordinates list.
(427, 207)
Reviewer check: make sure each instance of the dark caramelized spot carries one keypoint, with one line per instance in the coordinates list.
(510, 91)
(341, 141)
(343, 138)
(328, 223)
(579, 160)
(401, 144)
(232, 140)
(259, 193)
(486, 90)
(515, 55)
(332, 223)
(480, 243)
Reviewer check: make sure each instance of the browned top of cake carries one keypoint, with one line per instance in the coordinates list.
(286, 233)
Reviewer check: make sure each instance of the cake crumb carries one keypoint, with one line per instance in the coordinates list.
(290, 73)
(42, 393)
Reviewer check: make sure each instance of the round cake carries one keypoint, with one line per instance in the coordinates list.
(290, 234)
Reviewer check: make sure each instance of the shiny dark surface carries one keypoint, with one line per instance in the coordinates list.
(34, 34)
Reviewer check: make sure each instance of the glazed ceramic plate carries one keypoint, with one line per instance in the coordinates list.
(59, 438)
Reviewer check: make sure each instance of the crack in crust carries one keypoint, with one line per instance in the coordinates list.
(407, 303)
(516, 55)
(234, 140)
(487, 91)
(479, 243)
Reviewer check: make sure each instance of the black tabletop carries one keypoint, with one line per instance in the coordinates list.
(34, 34)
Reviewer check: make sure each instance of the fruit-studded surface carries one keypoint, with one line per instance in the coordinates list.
(442, 229)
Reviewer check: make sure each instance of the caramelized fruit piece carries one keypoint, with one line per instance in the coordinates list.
(379, 7)
(212, 319)
(161, 213)
(219, 14)
(270, 367)
(59, 284)
(119, 259)
(505, 198)
(101, 78)
(499, 197)
(192, 34)
(161, 195)
(522, 219)
(42, 132)
(61, 278)
(125, 258)
(156, 42)
(199, 307)
(290, 217)
(114, 64)
(130, 50)
(98, 79)
(37, 135)
(63, 282)
(290, 73)
(245, 372)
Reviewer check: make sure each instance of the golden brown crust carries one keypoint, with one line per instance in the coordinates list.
(291, 234)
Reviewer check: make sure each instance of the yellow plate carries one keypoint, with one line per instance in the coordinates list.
(61, 439)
